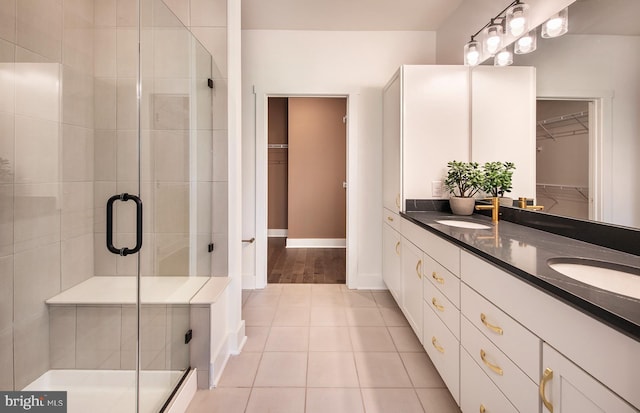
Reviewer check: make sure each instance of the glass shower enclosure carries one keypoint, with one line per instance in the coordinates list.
(106, 199)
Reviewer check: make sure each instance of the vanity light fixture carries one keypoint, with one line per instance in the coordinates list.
(557, 25)
(526, 44)
(517, 19)
(493, 37)
(503, 58)
(472, 53)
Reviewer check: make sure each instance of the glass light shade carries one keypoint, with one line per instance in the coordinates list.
(517, 19)
(472, 53)
(492, 39)
(527, 43)
(557, 25)
(503, 58)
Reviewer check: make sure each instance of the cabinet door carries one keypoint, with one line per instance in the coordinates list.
(391, 146)
(568, 389)
(391, 264)
(412, 264)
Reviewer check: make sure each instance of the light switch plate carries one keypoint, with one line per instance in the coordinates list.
(436, 189)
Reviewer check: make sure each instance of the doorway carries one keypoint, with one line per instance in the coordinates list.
(307, 168)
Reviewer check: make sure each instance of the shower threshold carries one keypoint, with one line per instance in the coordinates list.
(108, 391)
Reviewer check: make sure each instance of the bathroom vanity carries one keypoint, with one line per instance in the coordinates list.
(506, 332)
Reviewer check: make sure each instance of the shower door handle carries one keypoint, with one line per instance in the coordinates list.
(124, 198)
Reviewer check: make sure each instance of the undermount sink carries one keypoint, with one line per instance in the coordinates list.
(462, 224)
(609, 276)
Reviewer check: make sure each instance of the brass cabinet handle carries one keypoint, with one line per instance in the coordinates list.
(491, 327)
(390, 219)
(398, 248)
(436, 305)
(483, 409)
(496, 369)
(398, 200)
(437, 277)
(437, 346)
(547, 375)
(419, 269)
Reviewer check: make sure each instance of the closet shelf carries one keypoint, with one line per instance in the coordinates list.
(562, 126)
(278, 146)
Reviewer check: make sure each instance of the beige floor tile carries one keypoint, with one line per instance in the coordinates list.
(288, 339)
(296, 288)
(327, 299)
(262, 299)
(329, 338)
(284, 400)
(256, 338)
(371, 339)
(258, 316)
(240, 370)
(359, 299)
(364, 316)
(295, 300)
(391, 401)
(332, 369)
(405, 339)
(381, 369)
(437, 401)
(282, 370)
(220, 400)
(292, 316)
(393, 317)
(326, 288)
(384, 299)
(334, 401)
(421, 371)
(328, 316)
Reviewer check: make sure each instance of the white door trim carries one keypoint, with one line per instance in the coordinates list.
(261, 97)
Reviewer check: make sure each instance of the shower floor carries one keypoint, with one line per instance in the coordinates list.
(108, 391)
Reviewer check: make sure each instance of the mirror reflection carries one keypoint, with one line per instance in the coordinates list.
(588, 126)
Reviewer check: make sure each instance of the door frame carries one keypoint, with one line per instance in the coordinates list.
(261, 210)
(600, 150)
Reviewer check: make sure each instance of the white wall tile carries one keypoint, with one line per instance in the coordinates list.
(6, 294)
(105, 13)
(7, 138)
(62, 336)
(204, 257)
(172, 254)
(31, 349)
(98, 337)
(171, 155)
(214, 40)
(181, 9)
(105, 102)
(77, 260)
(6, 220)
(220, 155)
(37, 215)
(172, 207)
(36, 278)
(128, 337)
(153, 337)
(105, 155)
(220, 262)
(205, 155)
(40, 27)
(77, 46)
(171, 55)
(8, 21)
(220, 207)
(6, 359)
(203, 207)
(104, 261)
(37, 91)
(77, 98)
(177, 325)
(104, 52)
(127, 52)
(7, 81)
(170, 111)
(126, 112)
(36, 150)
(77, 209)
(126, 13)
(77, 153)
(219, 106)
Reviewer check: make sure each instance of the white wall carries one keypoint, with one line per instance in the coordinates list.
(316, 62)
(592, 66)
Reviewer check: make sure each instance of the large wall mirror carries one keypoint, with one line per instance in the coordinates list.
(588, 114)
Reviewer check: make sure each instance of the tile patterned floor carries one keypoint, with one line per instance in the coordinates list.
(321, 348)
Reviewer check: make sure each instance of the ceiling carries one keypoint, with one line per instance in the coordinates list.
(365, 15)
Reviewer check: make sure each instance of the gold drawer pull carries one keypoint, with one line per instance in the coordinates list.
(419, 269)
(483, 409)
(437, 277)
(546, 376)
(398, 248)
(390, 219)
(398, 200)
(491, 327)
(437, 346)
(496, 369)
(436, 305)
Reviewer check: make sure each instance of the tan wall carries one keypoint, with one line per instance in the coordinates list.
(278, 133)
(317, 168)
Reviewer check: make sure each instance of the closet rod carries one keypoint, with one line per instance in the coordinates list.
(278, 146)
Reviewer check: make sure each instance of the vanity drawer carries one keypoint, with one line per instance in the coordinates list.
(518, 343)
(444, 351)
(442, 279)
(519, 388)
(391, 218)
(479, 392)
(440, 250)
(443, 308)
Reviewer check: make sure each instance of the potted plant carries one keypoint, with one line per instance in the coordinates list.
(464, 180)
(498, 177)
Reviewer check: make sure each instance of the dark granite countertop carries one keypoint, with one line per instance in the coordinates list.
(524, 251)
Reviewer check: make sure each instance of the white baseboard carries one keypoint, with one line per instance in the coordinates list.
(280, 233)
(316, 243)
(370, 282)
(185, 393)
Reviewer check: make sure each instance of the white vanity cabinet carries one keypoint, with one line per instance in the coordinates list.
(425, 125)
(411, 300)
(391, 253)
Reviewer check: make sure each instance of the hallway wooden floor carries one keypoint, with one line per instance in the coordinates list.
(304, 265)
